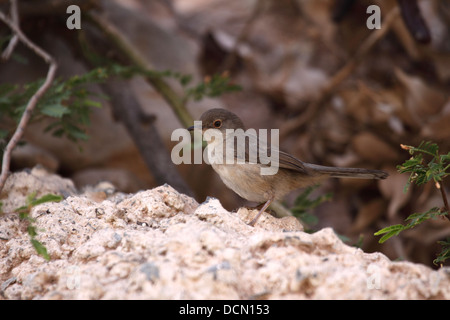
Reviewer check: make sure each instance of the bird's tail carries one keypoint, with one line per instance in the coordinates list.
(357, 173)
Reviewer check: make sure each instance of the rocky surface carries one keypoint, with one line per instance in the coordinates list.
(160, 244)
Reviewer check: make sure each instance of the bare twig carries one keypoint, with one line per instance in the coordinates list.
(444, 198)
(145, 135)
(141, 128)
(15, 39)
(414, 21)
(230, 60)
(33, 100)
(120, 41)
(315, 107)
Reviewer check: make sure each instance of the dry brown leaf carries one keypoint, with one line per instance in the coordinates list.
(420, 100)
(372, 149)
(357, 104)
(438, 128)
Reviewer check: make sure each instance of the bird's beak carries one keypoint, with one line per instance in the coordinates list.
(192, 128)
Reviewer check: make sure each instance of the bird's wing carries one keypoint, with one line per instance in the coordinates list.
(285, 160)
(288, 161)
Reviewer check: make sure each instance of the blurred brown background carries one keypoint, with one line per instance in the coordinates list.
(341, 94)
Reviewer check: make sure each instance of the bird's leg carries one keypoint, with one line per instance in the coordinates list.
(252, 223)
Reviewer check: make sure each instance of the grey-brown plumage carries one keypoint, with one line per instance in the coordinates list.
(247, 181)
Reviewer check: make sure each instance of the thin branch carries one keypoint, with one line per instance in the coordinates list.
(145, 135)
(22, 37)
(230, 60)
(140, 126)
(315, 107)
(33, 100)
(414, 21)
(121, 42)
(444, 198)
(15, 39)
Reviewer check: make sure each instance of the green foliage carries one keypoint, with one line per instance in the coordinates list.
(184, 79)
(67, 102)
(304, 204)
(24, 214)
(425, 165)
(422, 171)
(414, 220)
(31, 202)
(445, 253)
(212, 87)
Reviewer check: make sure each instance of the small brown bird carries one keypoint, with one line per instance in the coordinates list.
(246, 179)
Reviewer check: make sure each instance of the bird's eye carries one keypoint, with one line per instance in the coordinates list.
(217, 123)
